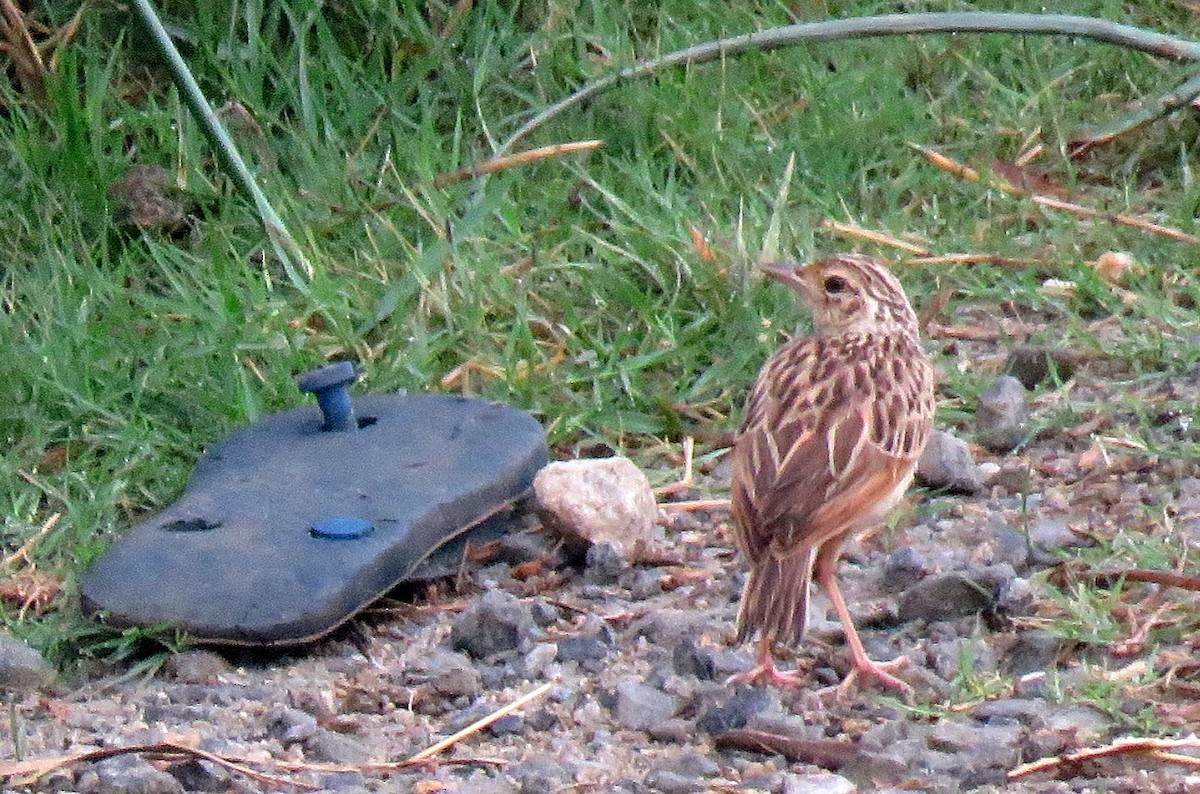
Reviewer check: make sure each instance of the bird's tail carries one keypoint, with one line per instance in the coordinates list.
(775, 598)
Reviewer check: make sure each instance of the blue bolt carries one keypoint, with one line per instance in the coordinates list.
(329, 384)
(342, 528)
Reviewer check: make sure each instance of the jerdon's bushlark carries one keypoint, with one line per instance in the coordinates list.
(832, 432)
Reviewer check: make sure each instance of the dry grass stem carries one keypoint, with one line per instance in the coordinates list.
(971, 259)
(695, 504)
(689, 450)
(513, 160)
(31, 771)
(883, 238)
(478, 725)
(22, 554)
(971, 175)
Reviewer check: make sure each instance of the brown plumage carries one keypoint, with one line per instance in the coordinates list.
(833, 429)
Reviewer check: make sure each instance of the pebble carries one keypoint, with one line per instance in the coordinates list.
(1002, 418)
(578, 649)
(197, 666)
(196, 774)
(606, 500)
(1048, 536)
(604, 564)
(540, 776)
(1084, 723)
(690, 660)
(1031, 364)
(335, 748)
(669, 782)
(904, 568)
(22, 669)
(947, 463)
(132, 774)
(817, 784)
(964, 656)
(498, 622)
(944, 597)
(1032, 651)
(640, 707)
(735, 711)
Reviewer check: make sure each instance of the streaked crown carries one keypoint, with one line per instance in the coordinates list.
(850, 293)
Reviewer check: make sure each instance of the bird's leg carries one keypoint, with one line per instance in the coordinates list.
(863, 667)
(765, 672)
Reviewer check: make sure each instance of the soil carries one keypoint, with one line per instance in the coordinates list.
(628, 662)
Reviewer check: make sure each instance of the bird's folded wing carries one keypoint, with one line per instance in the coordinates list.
(814, 483)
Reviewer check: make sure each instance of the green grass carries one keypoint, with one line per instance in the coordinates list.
(573, 284)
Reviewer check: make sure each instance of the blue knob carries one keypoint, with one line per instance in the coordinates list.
(329, 384)
(342, 528)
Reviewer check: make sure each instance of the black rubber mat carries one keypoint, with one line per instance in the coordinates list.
(287, 530)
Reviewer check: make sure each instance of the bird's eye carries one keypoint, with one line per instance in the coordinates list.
(836, 284)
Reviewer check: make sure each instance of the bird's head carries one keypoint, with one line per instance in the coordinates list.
(849, 293)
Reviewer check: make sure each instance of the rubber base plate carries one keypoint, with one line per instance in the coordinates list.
(236, 559)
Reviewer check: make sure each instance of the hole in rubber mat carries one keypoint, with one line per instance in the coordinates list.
(190, 525)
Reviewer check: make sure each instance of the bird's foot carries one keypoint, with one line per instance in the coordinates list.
(770, 675)
(865, 670)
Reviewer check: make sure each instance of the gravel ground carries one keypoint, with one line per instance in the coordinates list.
(635, 656)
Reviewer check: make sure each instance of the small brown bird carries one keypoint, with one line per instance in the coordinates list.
(833, 429)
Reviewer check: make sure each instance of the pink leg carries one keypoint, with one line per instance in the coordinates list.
(863, 667)
(766, 672)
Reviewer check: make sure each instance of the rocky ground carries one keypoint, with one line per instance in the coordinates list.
(627, 652)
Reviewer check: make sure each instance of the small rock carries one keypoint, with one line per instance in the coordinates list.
(578, 649)
(692, 764)
(903, 569)
(1033, 651)
(827, 783)
(497, 623)
(197, 666)
(640, 707)
(22, 669)
(944, 597)
(688, 659)
(947, 463)
(1032, 685)
(668, 782)
(1008, 710)
(603, 564)
(335, 748)
(587, 502)
(1082, 724)
(507, 725)
(1048, 536)
(1014, 599)
(736, 711)
(196, 774)
(450, 674)
(964, 656)
(541, 776)
(1002, 418)
(1031, 364)
(290, 725)
(132, 774)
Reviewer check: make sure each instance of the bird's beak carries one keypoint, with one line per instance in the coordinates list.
(788, 273)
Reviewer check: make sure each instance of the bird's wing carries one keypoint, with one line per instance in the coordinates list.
(825, 442)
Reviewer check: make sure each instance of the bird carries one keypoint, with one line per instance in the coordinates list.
(832, 431)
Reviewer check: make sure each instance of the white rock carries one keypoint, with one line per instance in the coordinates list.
(606, 500)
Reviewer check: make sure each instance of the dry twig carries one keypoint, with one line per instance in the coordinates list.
(1157, 749)
(1147, 41)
